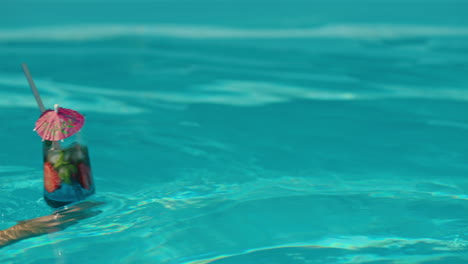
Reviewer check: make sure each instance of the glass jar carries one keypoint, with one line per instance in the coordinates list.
(67, 171)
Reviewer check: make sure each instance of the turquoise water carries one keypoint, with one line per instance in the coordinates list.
(249, 132)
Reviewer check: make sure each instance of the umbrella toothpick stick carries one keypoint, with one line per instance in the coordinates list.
(33, 87)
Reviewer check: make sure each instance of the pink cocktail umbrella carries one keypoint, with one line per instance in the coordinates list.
(54, 125)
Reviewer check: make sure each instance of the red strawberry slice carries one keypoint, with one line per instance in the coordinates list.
(51, 178)
(84, 175)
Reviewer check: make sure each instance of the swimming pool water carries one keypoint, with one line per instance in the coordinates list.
(247, 132)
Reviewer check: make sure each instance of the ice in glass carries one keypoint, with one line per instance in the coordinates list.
(67, 172)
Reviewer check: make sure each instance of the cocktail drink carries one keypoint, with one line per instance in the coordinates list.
(67, 172)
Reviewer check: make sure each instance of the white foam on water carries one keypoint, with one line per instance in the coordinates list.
(258, 93)
(225, 92)
(451, 124)
(53, 92)
(106, 31)
(240, 93)
(357, 243)
(14, 169)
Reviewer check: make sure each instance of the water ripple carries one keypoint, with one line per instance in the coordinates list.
(100, 31)
(358, 243)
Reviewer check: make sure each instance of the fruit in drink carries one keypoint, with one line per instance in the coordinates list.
(51, 178)
(84, 176)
